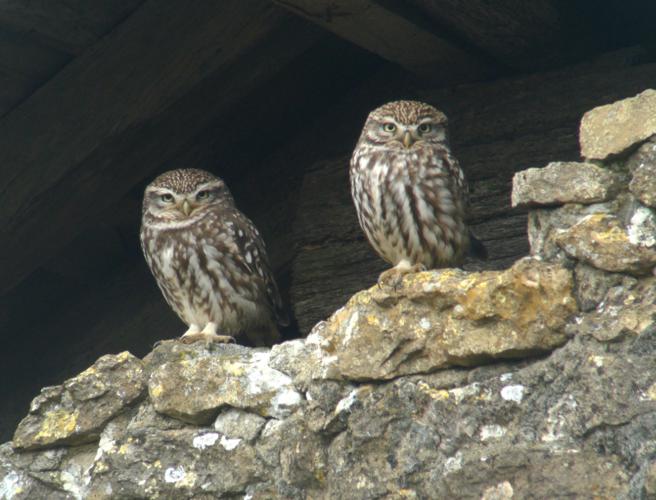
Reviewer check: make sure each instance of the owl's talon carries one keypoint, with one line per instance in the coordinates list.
(207, 338)
(393, 278)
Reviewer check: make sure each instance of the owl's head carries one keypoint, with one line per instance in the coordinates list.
(405, 125)
(182, 194)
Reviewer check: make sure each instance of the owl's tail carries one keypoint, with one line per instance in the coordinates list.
(265, 335)
(476, 247)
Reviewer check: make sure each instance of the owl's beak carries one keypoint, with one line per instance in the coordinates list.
(407, 139)
(186, 208)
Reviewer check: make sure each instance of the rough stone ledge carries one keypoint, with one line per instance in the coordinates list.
(438, 319)
(76, 411)
(612, 129)
(603, 241)
(642, 165)
(193, 385)
(582, 417)
(564, 182)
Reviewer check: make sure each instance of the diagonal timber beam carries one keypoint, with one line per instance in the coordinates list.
(387, 33)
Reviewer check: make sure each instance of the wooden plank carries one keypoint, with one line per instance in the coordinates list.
(538, 34)
(24, 65)
(392, 36)
(118, 112)
(69, 26)
(480, 113)
(13, 89)
(26, 57)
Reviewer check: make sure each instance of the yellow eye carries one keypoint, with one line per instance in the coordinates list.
(389, 127)
(425, 127)
(167, 197)
(202, 195)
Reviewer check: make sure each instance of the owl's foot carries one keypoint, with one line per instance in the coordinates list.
(191, 338)
(394, 277)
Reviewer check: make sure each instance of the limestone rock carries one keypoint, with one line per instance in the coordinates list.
(592, 285)
(77, 411)
(443, 318)
(184, 463)
(239, 424)
(612, 129)
(192, 382)
(604, 242)
(544, 224)
(628, 308)
(525, 427)
(299, 455)
(564, 182)
(643, 166)
(59, 473)
(581, 419)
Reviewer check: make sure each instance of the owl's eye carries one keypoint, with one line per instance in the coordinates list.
(425, 128)
(202, 195)
(389, 127)
(167, 197)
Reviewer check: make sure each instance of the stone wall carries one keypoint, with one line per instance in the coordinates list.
(534, 381)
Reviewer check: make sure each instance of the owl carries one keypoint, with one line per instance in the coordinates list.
(409, 192)
(208, 259)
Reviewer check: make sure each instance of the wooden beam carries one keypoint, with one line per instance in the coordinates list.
(526, 36)
(24, 65)
(69, 26)
(394, 37)
(124, 108)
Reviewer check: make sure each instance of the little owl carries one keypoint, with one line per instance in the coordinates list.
(410, 194)
(209, 259)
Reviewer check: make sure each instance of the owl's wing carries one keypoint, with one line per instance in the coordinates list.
(255, 261)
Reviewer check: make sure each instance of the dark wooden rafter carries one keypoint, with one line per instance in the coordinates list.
(125, 107)
(394, 37)
(69, 26)
(37, 38)
(24, 65)
(522, 35)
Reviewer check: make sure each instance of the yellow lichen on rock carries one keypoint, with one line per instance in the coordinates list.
(604, 242)
(56, 424)
(449, 317)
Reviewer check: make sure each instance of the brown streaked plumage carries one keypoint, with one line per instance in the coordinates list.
(410, 193)
(208, 259)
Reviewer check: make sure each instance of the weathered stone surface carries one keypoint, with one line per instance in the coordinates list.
(185, 463)
(539, 428)
(76, 411)
(545, 223)
(195, 381)
(53, 474)
(604, 242)
(234, 423)
(564, 182)
(628, 308)
(643, 166)
(439, 319)
(581, 420)
(612, 129)
(592, 285)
